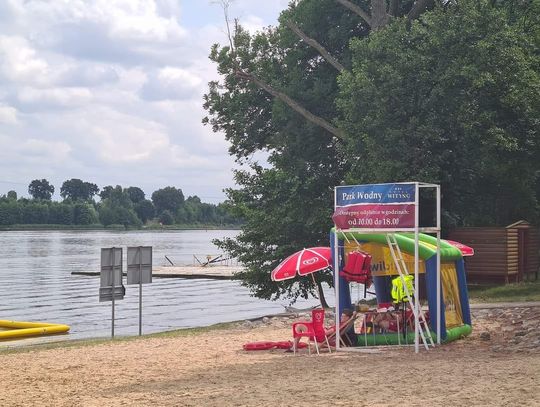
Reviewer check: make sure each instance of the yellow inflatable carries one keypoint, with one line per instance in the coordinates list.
(20, 329)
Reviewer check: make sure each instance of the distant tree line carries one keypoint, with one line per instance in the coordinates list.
(117, 206)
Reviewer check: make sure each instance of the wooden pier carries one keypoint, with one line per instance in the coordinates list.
(210, 272)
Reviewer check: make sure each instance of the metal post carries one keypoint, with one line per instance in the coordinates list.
(438, 280)
(336, 277)
(416, 260)
(113, 251)
(139, 255)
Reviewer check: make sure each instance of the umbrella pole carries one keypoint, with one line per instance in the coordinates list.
(319, 289)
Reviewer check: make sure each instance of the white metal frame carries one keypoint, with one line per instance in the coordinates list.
(417, 230)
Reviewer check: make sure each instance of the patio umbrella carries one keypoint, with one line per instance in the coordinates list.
(304, 262)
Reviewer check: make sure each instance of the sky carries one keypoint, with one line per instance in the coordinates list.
(111, 92)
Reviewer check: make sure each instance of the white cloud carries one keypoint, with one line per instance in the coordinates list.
(19, 62)
(53, 98)
(110, 91)
(8, 115)
(43, 150)
(171, 83)
(88, 75)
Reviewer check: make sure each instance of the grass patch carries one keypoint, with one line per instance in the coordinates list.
(79, 343)
(526, 291)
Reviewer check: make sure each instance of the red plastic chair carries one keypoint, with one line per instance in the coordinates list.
(313, 330)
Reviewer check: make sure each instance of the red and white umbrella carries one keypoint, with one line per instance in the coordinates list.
(304, 262)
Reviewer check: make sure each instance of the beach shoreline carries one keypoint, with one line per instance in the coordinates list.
(210, 368)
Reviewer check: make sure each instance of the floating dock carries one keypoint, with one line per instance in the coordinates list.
(210, 272)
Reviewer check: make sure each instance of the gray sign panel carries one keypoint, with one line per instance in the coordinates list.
(105, 293)
(111, 270)
(139, 269)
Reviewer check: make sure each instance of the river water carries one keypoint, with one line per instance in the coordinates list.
(36, 283)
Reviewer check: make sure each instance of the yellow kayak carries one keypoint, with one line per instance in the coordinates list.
(21, 329)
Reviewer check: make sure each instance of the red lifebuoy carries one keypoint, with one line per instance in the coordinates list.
(283, 344)
(259, 345)
(266, 345)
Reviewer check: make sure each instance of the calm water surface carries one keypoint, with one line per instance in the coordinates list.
(36, 283)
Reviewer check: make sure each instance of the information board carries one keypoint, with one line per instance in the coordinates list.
(375, 206)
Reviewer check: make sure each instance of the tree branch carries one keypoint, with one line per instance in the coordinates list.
(319, 121)
(239, 72)
(356, 9)
(313, 43)
(418, 8)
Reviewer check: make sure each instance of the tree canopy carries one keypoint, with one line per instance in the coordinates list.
(76, 189)
(118, 207)
(41, 189)
(168, 198)
(357, 91)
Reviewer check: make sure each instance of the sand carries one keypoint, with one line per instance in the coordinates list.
(211, 369)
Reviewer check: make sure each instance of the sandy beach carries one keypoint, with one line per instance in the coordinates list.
(499, 364)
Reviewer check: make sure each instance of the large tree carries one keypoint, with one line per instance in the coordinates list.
(168, 198)
(118, 208)
(278, 96)
(78, 190)
(287, 206)
(41, 189)
(136, 194)
(145, 210)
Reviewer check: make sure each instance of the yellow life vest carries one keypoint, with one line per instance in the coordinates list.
(399, 294)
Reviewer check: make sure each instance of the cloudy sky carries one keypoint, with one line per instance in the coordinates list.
(110, 91)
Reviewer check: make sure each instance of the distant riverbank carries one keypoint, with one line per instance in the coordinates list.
(153, 227)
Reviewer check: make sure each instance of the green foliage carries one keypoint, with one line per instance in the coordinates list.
(145, 210)
(120, 197)
(41, 189)
(166, 217)
(117, 215)
(77, 190)
(84, 214)
(168, 198)
(135, 194)
(529, 291)
(286, 207)
(60, 213)
(453, 99)
(10, 212)
(105, 192)
(118, 209)
(35, 213)
(12, 195)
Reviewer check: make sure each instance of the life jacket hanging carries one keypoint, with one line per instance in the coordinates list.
(357, 268)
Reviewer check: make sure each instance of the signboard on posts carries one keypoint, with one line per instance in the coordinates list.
(375, 206)
(139, 269)
(111, 279)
